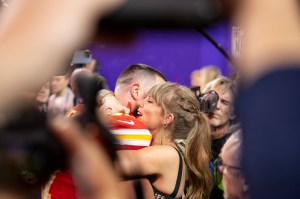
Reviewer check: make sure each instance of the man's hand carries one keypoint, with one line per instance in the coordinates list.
(109, 103)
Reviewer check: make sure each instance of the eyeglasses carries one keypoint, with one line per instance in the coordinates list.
(219, 168)
(234, 170)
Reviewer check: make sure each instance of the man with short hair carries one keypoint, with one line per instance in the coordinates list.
(132, 85)
(234, 182)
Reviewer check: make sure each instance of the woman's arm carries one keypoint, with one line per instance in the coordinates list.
(153, 160)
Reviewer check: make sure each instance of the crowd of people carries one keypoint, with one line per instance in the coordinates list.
(158, 143)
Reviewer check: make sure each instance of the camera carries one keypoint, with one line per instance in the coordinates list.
(208, 101)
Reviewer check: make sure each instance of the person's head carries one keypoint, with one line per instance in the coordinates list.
(73, 79)
(43, 94)
(204, 75)
(235, 185)
(224, 112)
(134, 83)
(59, 84)
(174, 109)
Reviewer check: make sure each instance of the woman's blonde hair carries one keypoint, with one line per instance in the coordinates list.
(191, 125)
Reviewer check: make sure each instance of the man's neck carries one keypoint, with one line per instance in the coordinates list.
(219, 131)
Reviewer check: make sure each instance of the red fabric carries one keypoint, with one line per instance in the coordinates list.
(129, 147)
(75, 110)
(130, 132)
(123, 121)
(63, 186)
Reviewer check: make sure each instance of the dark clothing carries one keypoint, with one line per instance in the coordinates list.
(159, 195)
(217, 145)
(216, 193)
(270, 115)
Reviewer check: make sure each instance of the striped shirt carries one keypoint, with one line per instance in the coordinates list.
(131, 133)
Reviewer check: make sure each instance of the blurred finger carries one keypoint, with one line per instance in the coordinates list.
(68, 132)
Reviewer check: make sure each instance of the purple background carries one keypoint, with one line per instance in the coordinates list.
(176, 53)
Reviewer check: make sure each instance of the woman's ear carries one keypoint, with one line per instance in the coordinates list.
(135, 91)
(169, 119)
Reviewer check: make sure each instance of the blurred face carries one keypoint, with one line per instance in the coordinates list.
(196, 80)
(224, 110)
(232, 179)
(59, 83)
(150, 114)
(43, 94)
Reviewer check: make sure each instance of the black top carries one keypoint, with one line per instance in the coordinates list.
(160, 195)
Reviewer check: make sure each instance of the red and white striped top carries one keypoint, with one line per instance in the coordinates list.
(131, 133)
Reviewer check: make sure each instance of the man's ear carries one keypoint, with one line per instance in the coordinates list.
(135, 91)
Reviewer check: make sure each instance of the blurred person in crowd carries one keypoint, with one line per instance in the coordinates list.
(204, 75)
(62, 98)
(64, 28)
(180, 152)
(84, 59)
(79, 106)
(39, 97)
(42, 97)
(221, 119)
(230, 165)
